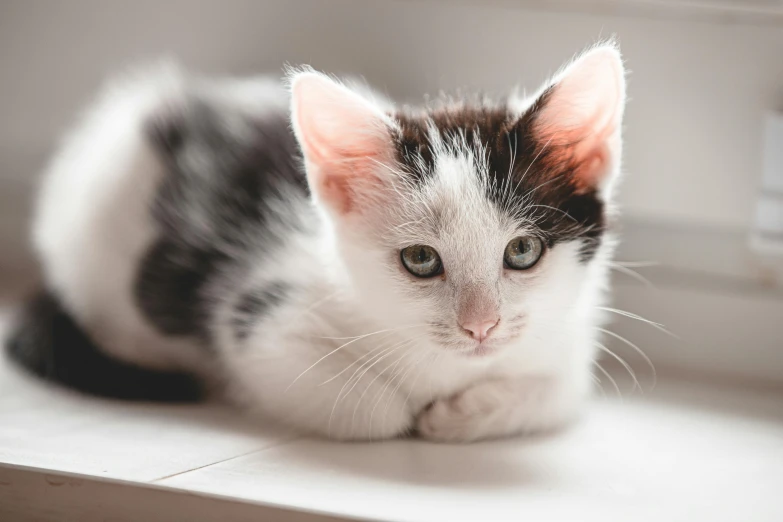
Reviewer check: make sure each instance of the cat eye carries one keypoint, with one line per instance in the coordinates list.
(523, 252)
(421, 261)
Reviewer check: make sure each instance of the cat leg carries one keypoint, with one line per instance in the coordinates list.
(504, 407)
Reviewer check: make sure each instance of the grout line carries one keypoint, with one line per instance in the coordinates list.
(277, 444)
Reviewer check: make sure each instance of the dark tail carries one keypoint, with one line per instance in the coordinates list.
(49, 343)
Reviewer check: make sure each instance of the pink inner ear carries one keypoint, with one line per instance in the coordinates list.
(582, 117)
(343, 137)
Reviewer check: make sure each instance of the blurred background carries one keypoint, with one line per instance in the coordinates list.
(703, 192)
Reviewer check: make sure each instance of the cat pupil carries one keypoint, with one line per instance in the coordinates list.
(421, 260)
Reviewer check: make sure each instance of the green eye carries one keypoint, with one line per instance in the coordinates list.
(421, 261)
(523, 252)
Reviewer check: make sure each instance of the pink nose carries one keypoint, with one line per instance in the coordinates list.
(480, 330)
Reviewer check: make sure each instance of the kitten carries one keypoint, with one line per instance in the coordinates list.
(372, 272)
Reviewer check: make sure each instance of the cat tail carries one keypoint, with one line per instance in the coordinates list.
(48, 342)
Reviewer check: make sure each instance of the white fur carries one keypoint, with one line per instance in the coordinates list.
(354, 355)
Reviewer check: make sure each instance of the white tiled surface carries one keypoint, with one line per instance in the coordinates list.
(50, 428)
(684, 452)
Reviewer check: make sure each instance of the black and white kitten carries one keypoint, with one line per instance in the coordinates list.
(371, 272)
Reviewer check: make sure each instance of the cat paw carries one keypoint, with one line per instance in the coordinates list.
(467, 416)
(494, 409)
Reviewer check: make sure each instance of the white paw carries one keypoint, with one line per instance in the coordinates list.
(495, 409)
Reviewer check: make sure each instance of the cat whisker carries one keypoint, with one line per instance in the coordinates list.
(536, 157)
(359, 372)
(404, 377)
(354, 379)
(637, 264)
(631, 273)
(375, 350)
(657, 326)
(362, 336)
(506, 190)
(394, 374)
(353, 340)
(523, 203)
(368, 368)
(369, 385)
(545, 183)
(566, 214)
(599, 384)
(624, 364)
(381, 351)
(638, 350)
(611, 379)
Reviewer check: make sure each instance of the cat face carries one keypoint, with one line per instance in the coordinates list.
(474, 226)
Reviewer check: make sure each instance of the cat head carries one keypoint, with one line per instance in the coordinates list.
(479, 225)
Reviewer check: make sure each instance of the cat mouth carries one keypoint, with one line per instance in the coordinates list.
(482, 350)
(487, 348)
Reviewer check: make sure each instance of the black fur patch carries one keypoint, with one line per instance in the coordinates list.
(50, 344)
(539, 182)
(169, 287)
(254, 304)
(225, 167)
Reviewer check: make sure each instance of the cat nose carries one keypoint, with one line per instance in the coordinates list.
(480, 330)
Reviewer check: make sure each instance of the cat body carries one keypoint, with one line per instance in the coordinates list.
(328, 261)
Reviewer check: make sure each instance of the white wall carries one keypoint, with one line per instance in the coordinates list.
(698, 89)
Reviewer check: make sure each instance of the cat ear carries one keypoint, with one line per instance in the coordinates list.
(344, 137)
(579, 117)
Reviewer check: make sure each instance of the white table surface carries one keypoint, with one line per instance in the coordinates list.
(687, 452)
